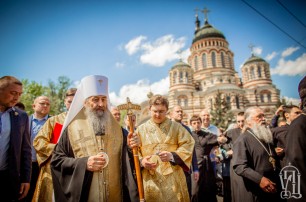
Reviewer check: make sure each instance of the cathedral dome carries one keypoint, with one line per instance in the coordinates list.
(180, 64)
(254, 58)
(207, 31)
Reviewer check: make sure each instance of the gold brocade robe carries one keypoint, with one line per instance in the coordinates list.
(106, 185)
(44, 148)
(167, 182)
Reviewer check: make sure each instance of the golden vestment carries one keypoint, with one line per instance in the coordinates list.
(44, 148)
(167, 182)
(106, 185)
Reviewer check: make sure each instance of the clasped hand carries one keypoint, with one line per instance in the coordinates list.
(150, 164)
(96, 163)
(133, 140)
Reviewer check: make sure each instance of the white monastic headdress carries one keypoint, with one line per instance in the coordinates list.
(90, 86)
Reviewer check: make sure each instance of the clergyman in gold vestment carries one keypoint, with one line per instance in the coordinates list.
(44, 145)
(166, 150)
(88, 163)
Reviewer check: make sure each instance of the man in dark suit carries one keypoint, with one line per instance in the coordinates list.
(15, 147)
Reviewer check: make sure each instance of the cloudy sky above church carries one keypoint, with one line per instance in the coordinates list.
(136, 42)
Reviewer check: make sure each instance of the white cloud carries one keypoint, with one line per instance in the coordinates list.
(293, 101)
(134, 45)
(291, 67)
(270, 56)
(289, 51)
(158, 52)
(119, 64)
(138, 91)
(257, 50)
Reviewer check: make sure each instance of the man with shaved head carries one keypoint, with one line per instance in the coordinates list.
(41, 107)
(177, 116)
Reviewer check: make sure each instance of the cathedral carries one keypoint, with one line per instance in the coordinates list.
(210, 70)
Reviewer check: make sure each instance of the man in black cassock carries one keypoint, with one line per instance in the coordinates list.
(230, 188)
(90, 161)
(296, 143)
(255, 160)
(290, 112)
(205, 188)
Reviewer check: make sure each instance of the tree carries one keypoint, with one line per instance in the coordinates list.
(221, 112)
(31, 90)
(55, 91)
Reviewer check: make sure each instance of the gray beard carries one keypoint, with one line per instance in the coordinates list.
(262, 133)
(98, 120)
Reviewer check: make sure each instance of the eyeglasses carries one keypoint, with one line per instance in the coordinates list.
(44, 104)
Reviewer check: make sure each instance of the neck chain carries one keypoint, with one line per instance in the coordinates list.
(269, 152)
(271, 159)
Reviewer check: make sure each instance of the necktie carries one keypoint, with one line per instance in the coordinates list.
(0, 123)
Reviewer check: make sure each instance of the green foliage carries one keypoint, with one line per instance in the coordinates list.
(31, 90)
(221, 112)
(54, 90)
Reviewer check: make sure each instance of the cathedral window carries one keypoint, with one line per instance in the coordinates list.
(228, 101)
(259, 71)
(182, 100)
(269, 97)
(229, 60)
(246, 74)
(195, 63)
(252, 73)
(262, 98)
(213, 59)
(204, 60)
(237, 102)
(174, 77)
(222, 59)
(181, 77)
(186, 77)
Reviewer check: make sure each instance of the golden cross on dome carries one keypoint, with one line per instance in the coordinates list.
(251, 46)
(205, 11)
(196, 11)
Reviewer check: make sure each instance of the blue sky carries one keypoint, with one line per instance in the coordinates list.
(135, 43)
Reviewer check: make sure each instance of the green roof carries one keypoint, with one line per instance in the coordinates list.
(254, 58)
(180, 64)
(207, 31)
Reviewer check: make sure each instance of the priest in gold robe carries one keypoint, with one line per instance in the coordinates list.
(88, 163)
(44, 144)
(165, 152)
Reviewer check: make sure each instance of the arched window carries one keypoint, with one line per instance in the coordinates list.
(229, 61)
(213, 59)
(195, 63)
(246, 74)
(262, 98)
(269, 97)
(252, 73)
(186, 77)
(237, 102)
(228, 101)
(259, 71)
(174, 77)
(204, 60)
(222, 59)
(181, 77)
(182, 100)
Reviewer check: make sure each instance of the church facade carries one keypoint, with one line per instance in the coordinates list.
(210, 70)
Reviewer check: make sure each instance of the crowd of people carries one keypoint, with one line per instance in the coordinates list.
(85, 154)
